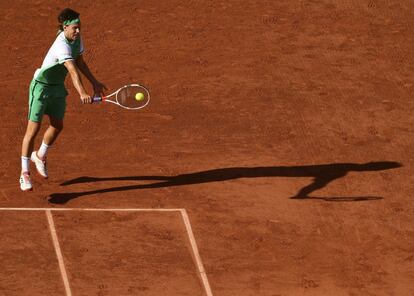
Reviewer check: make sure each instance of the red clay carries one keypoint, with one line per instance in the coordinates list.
(253, 103)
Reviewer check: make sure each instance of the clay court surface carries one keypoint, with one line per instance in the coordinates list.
(284, 129)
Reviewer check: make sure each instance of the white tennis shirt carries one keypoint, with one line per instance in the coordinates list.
(53, 71)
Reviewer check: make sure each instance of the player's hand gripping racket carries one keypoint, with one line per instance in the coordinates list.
(131, 96)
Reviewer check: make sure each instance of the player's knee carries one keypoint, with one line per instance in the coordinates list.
(30, 134)
(32, 130)
(56, 124)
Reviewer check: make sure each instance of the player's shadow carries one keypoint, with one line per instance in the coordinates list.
(322, 175)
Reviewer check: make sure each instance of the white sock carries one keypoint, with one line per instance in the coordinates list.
(25, 163)
(41, 153)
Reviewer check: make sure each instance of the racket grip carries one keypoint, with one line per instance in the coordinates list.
(97, 99)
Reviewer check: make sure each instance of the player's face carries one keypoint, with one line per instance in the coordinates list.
(72, 32)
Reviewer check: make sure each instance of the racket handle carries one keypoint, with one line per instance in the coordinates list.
(97, 99)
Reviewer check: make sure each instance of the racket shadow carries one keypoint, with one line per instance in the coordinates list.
(322, 175)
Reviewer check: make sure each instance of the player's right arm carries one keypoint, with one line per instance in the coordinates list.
(77, 82)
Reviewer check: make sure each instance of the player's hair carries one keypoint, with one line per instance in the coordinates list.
(66, 14)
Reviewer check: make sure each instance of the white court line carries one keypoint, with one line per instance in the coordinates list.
(184, 216)
(91, 209)
(58, 252)
(197, 256)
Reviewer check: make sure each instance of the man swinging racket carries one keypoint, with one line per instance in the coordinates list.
(48, 94)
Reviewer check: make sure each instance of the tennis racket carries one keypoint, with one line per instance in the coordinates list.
(131, 96)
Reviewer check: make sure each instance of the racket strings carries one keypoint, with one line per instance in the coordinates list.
(127, 96)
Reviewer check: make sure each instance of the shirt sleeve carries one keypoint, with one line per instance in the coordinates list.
(63, 52)
(81, 48)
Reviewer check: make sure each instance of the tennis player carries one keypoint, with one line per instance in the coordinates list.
(48, 93)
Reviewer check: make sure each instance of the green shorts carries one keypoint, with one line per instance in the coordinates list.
(46, 99)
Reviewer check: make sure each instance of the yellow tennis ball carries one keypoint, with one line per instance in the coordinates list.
(139, 96)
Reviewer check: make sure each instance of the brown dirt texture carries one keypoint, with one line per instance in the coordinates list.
(284, 128)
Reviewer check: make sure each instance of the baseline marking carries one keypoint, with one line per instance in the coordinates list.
(184, 216)
(90, 210)
(58, 252)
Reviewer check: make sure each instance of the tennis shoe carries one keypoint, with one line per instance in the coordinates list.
(25, 182)
(41, 165)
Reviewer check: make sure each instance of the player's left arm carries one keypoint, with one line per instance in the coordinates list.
(98, 87)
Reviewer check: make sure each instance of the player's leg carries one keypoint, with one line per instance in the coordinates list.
(37, 106)
(29, 138)
(55, 109)
(27, 148)
(50, 136)
(53, 131)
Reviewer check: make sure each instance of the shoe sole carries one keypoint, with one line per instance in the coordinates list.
(38, 172)
(42, 175)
